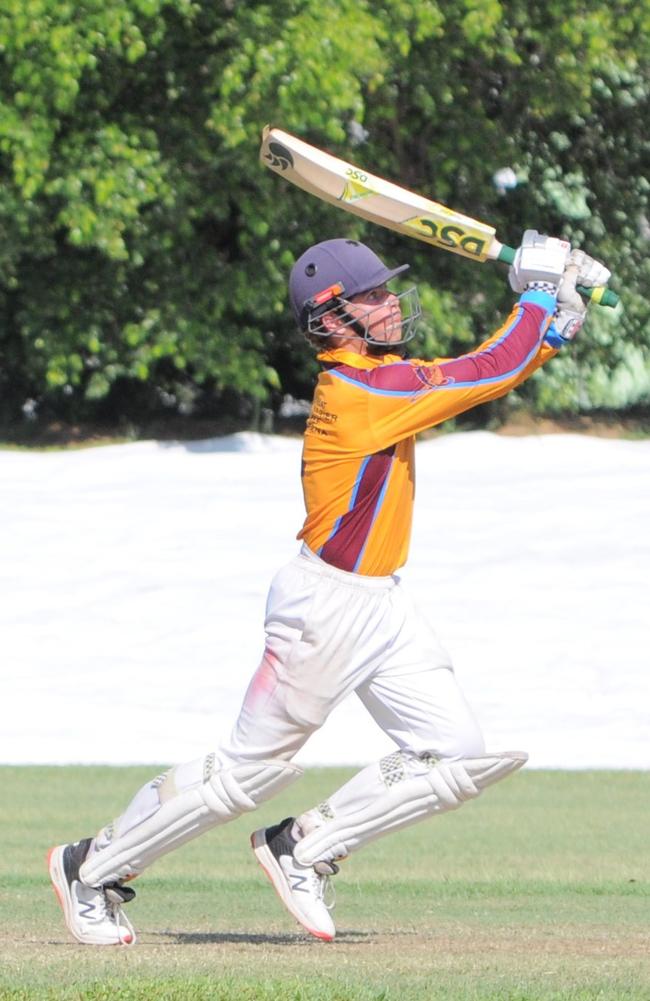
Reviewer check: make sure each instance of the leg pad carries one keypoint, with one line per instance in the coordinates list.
(178, 806)
(394, 793)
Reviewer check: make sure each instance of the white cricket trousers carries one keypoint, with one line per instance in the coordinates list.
(330, 633)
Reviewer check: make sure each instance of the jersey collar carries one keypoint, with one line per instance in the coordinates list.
(339, 356)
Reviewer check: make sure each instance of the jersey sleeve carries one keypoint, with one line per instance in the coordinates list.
(411, 396)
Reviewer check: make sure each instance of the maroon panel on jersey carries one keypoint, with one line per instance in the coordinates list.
(345, 546)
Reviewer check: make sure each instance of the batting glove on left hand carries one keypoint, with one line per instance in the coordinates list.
(540, 261)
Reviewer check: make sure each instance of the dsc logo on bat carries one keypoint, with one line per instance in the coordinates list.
(462, 241)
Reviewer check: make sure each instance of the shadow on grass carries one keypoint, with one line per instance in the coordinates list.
(222, 938)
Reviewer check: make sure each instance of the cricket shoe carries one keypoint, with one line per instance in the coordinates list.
(93, 914)
(302, 889)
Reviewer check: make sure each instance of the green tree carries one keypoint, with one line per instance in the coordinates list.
(144, 251)
(557, 92)
(141, 241)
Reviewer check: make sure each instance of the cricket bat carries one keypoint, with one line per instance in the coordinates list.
(355, 190)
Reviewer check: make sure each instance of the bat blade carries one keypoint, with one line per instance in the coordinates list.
(375, 199)
(387, 204)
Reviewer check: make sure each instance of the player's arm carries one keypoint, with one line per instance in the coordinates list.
(406, 398)
(570, 309)
(536, 328)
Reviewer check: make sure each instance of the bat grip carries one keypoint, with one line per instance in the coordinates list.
(602, 295)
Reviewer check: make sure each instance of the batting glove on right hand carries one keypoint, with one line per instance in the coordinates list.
(539, 259)
(571, 308)
(591, 273)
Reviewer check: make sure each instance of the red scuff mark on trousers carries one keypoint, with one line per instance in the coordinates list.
(264, 681)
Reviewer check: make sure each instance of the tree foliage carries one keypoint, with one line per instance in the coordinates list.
(144, 252)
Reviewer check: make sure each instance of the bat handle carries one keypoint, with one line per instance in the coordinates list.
(602, 295)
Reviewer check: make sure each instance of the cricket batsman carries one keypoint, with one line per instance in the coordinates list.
(338, 618)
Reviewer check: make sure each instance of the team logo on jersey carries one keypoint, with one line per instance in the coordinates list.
(430, 375)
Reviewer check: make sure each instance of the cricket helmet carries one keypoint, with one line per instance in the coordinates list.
(331, 272)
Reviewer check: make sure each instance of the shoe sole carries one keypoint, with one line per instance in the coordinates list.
(269, 864)
(62, 891)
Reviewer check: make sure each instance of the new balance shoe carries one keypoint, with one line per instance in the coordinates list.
(93, 914)
(301, 889)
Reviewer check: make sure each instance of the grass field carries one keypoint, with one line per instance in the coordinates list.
(539, 891)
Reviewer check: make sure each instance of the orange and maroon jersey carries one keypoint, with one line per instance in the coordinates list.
(358, 459)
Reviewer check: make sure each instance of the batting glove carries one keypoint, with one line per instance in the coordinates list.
(539, 262)
(591, 273)
(571, 308)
